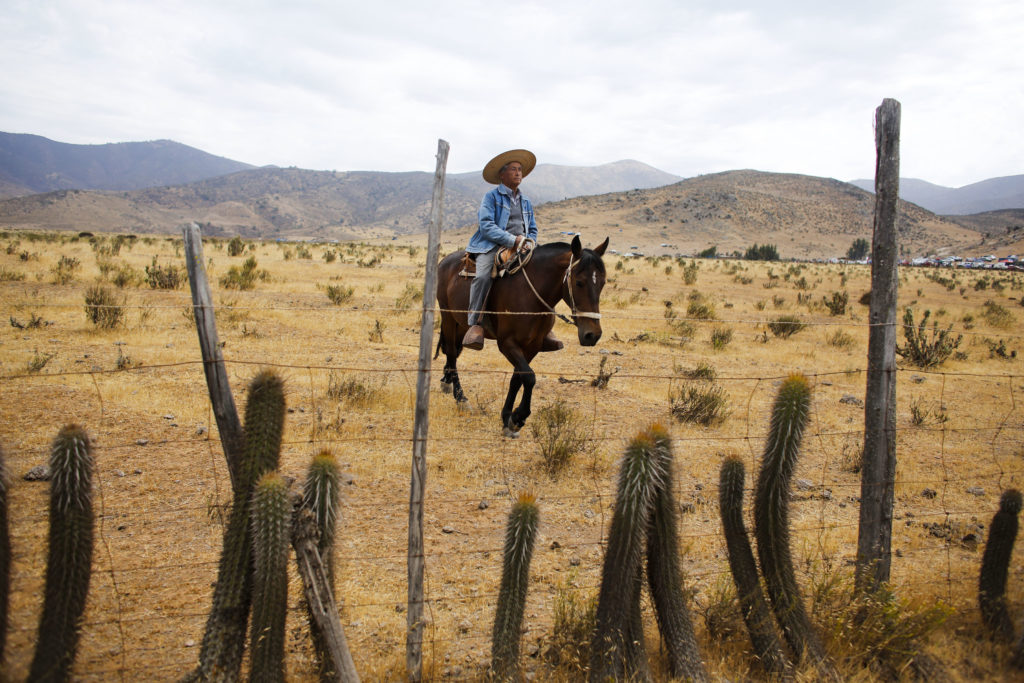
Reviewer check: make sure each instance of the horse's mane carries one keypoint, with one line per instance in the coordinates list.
(586, 256)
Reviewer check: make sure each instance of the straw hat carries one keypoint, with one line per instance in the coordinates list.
(493, 167)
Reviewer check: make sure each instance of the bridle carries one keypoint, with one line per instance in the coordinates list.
(576, 313)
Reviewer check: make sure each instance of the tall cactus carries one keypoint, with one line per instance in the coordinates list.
(321, 496)
(664, 572)
(617, 649)
(771, 520)
(5, 557)
(271, 525)
(995, 563)
(756, 615)
(520, 536)
(220, 656)
(69, 555)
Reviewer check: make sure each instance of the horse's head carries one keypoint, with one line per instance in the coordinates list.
(584, 282)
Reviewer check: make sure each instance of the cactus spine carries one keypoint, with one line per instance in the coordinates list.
(69, 558)
(271, 526)
(756, 614)
(771, 514)
(994, 566)
(321, 496)
(664, 572)
(617, 649)
(220, 656)
(520, 536)
(5, 557)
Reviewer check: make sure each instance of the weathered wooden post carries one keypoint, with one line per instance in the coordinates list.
(878, 465)
(224, 411)
(414, 635)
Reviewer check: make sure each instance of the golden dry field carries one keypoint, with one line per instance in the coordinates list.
(672, 329)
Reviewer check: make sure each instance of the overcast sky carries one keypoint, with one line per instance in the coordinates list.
(690, 87)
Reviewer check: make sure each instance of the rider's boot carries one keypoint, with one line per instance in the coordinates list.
(551, 343)
(474, 338)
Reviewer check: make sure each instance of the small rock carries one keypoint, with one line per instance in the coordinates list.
(190, 643)
(589, 514)
(616, 353)
(38, 473)
(137, 471)
(917, 379)
(826, 494)
(699, 487)
(465, 625)
(574, 561)
(976, 491)
(804, 484)
(484, 504)
(168, 416)
(851, 400)
(348, 480)
(555, 545)
(200, 430)
(141, 442)
(119, 473)
(929, 493)
(399, 607)
(448, 530)
(687, 508)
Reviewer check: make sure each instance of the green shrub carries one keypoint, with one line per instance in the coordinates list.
(561, 434)
(720, 337)
(700, 309)
(924, 351)
(236, 247)
(245, 277)
(837, 304)
(786, 326)
(411, 295)
(840, 339)
(339, 294)
(102, 308)
(164, 277)
(64, 270)
(997, 315)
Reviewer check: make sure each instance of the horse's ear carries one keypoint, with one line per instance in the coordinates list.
(599, 249)
(577, 246)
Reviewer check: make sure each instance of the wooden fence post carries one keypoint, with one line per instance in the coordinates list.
(878, 465)
(414, 635)
(228, 425)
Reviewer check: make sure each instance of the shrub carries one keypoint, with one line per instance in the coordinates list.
(703, 404)
(785, 326)
(102, 308)
(236, 247)
(710, 252)
(997, 315)
(690, 273)
(164, 277)
(837, 305)
(765, 252)
(124, 276)
(859, 249)
(700, 309)
(302, 251)
(352, 389)
(409, 296)
(922, 351)
(330, 256)
(245, 277)
(720, 337)
(561, 433)
(840, 339)
(703, 370)
(339, 294)
(575, 617)
(64, 270)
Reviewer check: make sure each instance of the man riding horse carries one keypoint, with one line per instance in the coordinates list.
(505, 221)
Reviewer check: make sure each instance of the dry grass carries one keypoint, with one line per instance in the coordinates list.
(163, 483)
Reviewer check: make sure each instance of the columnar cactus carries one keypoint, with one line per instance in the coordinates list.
(618, 644)
(5, 557)
(994, 566)
(664, 572)
(771, 514)
(756, 614)
(271, 521)
(520, 536)
(220, 656)
(69, 555)
(321, 496)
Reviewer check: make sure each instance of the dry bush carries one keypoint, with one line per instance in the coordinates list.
(720, 337)
(167, 276)
(785, 326)
(704, 404)
(64, 270)
(561, 433)
(575, 615)
(339, 294)
(102, 308)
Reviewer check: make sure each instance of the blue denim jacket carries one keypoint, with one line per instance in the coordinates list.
(493, 216)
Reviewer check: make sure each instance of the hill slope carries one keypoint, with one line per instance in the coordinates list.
(30, 164)
(988, 195)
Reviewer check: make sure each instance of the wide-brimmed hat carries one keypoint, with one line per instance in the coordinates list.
(493, 167)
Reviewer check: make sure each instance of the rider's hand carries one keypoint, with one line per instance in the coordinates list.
(529, 245)
(519, 242)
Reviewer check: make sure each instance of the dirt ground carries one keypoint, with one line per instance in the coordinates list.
(350, 369)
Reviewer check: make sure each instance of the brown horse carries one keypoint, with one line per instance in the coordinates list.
(556, 272)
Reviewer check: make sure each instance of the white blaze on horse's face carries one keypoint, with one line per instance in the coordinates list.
(594, 277)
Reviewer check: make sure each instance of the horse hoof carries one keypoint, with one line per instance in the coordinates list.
(462, 401)
(446, 388)
(510, 433)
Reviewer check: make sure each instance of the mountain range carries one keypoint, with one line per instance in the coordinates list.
(155, 187)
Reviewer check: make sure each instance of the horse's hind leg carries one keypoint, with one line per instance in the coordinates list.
(451, 346)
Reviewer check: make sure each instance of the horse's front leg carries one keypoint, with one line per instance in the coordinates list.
(514, 419)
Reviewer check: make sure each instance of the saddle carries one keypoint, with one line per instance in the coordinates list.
(508, 261)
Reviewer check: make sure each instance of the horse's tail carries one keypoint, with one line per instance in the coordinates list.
(440, 342)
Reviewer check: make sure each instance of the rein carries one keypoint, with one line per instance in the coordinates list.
(565, 280)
